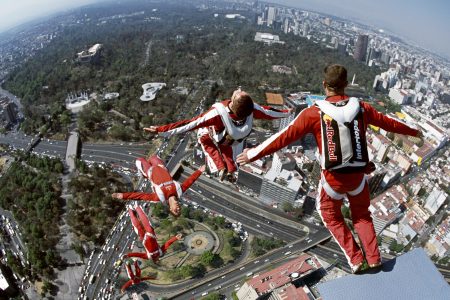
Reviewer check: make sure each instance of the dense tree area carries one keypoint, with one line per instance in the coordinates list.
(92, 210)
(262, 245)
(31, 190)
(211, 259)
(187, 271)
(231, 238)
(45, 164)
(182, 47)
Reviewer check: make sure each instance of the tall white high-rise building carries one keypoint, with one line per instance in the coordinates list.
(286, 26)
(271, 15)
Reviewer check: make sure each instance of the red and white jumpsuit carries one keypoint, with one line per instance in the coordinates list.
(135, 278)
(220, 154)
(147, 236)
(335, 186)
(163, 185)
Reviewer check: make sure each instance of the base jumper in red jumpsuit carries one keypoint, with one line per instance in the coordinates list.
(135, 278)
(334, 186)
(147, 236)
(222, 130)
(164, 187)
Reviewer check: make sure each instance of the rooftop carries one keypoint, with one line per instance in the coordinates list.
(291, 292)
(410, 276)
(425, 150)
(297, 268)
(274, 99)
(387, 205)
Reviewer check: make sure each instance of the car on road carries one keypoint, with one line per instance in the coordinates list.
(92, 279)
(241, 268)
(204, 294)
(287, 253)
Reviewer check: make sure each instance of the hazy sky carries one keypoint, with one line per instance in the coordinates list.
(16, 12)
(426, 22)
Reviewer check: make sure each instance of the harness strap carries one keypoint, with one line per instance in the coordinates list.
(338, 196)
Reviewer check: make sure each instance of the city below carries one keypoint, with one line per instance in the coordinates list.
(258, 234)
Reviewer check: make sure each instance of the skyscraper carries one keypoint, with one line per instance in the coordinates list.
(271, 14)
(361, 47)
(305, 31)
(286, 25)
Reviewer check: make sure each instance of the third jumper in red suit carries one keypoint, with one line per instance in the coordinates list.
(163, 185)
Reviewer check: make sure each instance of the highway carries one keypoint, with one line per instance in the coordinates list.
(251, 221)
(226, 200)
(123, 154)
(231, 278)
(120, 154)
(254, 223)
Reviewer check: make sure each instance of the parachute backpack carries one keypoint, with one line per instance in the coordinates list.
(344, 142)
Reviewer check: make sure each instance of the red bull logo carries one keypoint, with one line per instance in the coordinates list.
(329, 138)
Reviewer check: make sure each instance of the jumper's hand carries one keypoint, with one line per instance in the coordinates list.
(202, 168)
(152, 129)
(242, 158)
(117, 195)
(179, 236)
(174, 207)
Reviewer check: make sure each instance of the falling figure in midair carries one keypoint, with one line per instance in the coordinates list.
(135, 278)
(147, 236)
(165, 189)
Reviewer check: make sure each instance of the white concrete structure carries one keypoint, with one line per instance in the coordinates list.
(234, 16)
(75, 102)
(90, 54)
(150, 90)
(110, 96)
(267, 38)
(72, 150)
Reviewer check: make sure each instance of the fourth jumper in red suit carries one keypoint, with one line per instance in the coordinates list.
(147, 236)
(223, 128)
(336, 184)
